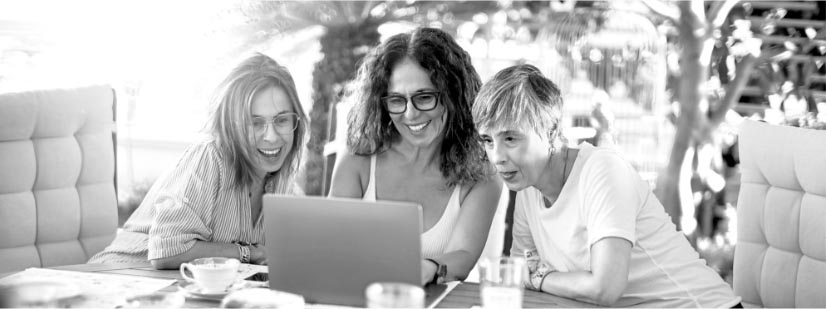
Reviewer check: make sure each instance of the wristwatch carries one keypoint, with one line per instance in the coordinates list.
(441, 272)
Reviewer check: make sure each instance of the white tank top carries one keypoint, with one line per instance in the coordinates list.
(434, 240)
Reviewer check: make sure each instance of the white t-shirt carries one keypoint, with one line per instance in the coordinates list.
(605, 197)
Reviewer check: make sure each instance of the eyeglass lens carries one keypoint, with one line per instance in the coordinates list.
(283, 124)
(423, 101)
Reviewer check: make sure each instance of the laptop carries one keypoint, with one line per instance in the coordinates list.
(330, 249)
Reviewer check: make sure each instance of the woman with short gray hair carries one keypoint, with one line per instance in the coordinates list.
(589, 226)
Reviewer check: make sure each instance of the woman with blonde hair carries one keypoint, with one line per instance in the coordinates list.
(210, 204)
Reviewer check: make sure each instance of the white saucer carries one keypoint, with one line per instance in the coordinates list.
(193, 290)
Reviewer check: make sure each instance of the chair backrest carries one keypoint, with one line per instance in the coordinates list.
(57, 167)
(780, 259)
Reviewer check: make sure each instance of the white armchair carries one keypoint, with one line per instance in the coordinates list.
(780, 259)
(57, 169)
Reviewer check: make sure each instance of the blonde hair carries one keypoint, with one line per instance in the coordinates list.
(520, 94)
(229, 124)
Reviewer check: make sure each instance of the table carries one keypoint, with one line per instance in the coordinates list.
(465, 295)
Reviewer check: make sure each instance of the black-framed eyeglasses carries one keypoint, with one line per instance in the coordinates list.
(283, 124)
(423, 101)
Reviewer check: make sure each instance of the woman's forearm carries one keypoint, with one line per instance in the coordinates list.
(459, 264)
(206, 249)
(604, 283)
(582, 286)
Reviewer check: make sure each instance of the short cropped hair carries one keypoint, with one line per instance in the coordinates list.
(230, 123)
(520, 95)
(370, 130)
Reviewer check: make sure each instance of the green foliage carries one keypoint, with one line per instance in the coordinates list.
(807, 121)
(129, 200)
(719, 255)
(343, 49)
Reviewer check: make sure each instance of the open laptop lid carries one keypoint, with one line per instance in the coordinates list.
(330, 250)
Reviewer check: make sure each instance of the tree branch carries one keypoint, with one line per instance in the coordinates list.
(719, 11)
(733, 90)
(698, 7)
(664, 10)
(365, 11)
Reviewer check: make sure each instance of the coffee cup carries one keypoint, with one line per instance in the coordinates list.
(212, 274)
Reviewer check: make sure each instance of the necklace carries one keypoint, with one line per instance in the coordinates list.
(548, 203)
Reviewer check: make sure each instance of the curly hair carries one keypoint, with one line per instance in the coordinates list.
(463, 159)
(231, 119)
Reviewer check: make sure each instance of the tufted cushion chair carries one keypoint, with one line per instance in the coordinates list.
(57, 169)
(780, 259)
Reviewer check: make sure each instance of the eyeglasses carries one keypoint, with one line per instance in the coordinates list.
(423, 101)
(283, 124)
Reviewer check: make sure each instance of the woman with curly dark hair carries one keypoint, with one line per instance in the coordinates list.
(411, 138)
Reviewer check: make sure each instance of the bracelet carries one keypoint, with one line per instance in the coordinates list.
(245, 254)
(539, 273)
(441, 271)
(542, 282)
(243, 251)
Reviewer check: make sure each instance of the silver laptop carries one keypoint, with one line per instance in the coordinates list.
(330, 250)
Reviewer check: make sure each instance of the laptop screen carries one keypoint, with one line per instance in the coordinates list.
(329, 249)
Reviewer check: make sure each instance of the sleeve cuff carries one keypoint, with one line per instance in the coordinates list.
(172, 246)
(629, 236)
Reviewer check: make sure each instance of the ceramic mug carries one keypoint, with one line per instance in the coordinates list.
(212, 274)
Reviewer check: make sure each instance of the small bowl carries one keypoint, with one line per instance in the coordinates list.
(155, 300)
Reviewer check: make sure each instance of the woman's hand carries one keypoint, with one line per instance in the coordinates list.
(531, 266)
(258, 254)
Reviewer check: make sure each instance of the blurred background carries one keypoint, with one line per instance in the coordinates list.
(666, 82)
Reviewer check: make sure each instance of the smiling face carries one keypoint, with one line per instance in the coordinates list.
(271, 147)
(521, 156)
(417, 127)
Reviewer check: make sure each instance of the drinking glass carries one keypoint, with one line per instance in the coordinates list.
(500, 282)
(394, 295)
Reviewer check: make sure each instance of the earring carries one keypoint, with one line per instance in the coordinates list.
(389, 128)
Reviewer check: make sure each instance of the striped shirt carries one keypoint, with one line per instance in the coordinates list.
(194, 201)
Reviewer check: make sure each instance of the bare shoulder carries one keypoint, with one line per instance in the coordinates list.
(350, 162)
(487, 189)
(350, 175)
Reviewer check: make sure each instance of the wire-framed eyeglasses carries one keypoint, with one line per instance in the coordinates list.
(423, 101)
(283, 123)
